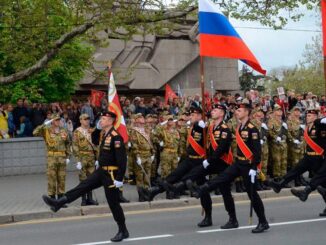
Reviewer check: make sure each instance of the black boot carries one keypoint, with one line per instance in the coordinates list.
(64, 205)
(152, 192)
(297, 182)
(231, 224)
(52, 196)
(207, 221)
(302, 194)
(196, 191)
(323, 214)
(217, 191)
(55, 204)
(122, 199)
(238, 187)
(122, 234)
(265, 186)
(243, 186)
(261, 227)
(90, 201)
(179, 187)
(276, 185)
(84, 200)
(169, 195)
(141, 194)
(132, 179)
(259, 186)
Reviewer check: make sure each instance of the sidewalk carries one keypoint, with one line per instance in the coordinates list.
(20, 199)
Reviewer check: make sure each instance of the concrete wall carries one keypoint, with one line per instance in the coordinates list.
(22, 156)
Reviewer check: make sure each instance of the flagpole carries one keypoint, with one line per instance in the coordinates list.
(109, 74)
(325, 73)
(202, 85)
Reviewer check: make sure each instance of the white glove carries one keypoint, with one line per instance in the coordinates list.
(285, 125)
(323, 121)
(138, 161)
(201, 124)
(205, 164)
(161, 143)
(261, 142)
(252, 174)
(79, 166)
(47, 123)
(163, 123)
(118, 184)
(278, 139)
(152, 158)
(96, 164)
(263, 125)
(178, 159)
(303, 126)
(296, 141)
(129, 144)
(188, 123)
(67, 161)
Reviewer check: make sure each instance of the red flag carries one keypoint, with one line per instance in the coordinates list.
(323, 15)
(169, 93)
(96, 97)
(114, 106)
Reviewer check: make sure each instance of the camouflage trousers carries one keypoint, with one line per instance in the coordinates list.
(142, 179)
(88, 166)
(155, 164)
(279, 157)
(295, 154)
(56, 173)
(264, 158)
(169, 162)
(131, 163)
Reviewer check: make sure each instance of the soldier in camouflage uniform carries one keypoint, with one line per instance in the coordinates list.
(85, 153)
(142, 147)
(183, 132)
(257, 120)
(295, 141)
(232, 125)
(278, 134)
(131, 155)
(58, 153)
(169, 139)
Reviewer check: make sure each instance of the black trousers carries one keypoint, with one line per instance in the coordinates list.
(307, 163)
(183, 168)
(319, 177)
(97, 179)
(241, 168)
(199, 173)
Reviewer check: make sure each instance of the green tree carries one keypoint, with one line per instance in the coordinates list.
(33, 32)
(248, 80)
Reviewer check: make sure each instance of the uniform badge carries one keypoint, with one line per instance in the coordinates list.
(254, 136)
(313, 132)
(117, 144)
(224, 135)
(244, 134)
(108, 140)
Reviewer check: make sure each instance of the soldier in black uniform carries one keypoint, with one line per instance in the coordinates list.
(218, 159)
(245, 165)
(195, 155)
(311, 161)
(112, 160)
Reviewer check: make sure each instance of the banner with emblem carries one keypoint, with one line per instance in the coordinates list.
(114, 106)
(96, 97)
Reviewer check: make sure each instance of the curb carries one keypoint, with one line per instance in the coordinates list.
(134, 206)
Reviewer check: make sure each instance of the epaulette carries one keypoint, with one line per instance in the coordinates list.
(250, 125)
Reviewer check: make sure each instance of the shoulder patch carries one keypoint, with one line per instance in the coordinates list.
(117, 144)
(114, 133)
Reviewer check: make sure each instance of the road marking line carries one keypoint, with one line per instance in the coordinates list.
(273, 224)
(129, 239)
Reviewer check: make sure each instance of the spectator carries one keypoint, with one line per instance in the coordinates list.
(3, 122)
(87, 109)
(11, 124)
(141, 108)
(25, 127)
(18, 112)
(37, 115)
(196, 102)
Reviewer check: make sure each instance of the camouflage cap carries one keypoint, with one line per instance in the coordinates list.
(295, 108)
(277, 107)
(138, 115)
(55, 116)
(149, 116)
(83, 116)
(168, 117)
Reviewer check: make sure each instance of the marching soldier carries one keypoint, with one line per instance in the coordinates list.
(315, 137)
(112, 166)
(183, 132)
(278, 132)
(219, 157)
(295, 141)
(169, 139)
(85, 153)
(248, 158)
(58, 153)
(143, 150)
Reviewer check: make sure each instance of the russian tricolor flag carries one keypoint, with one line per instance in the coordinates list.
(218, 38)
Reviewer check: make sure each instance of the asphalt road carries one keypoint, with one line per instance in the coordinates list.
(292, 222)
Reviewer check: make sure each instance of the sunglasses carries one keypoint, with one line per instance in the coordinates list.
(86, 118)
